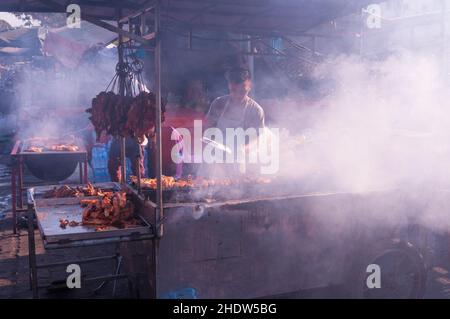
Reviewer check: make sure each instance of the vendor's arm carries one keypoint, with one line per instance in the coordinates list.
(215, 111)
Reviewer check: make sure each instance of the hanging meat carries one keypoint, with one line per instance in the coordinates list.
(142, 115)
(117, 115)
(124, 116)
(109, 113)
(98, 111)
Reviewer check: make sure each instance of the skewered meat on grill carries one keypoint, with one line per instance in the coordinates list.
(169, 182)
(166, 181)
(110, 210)
(64, 148)
(53, 148)
(68, 191)
(35, 149)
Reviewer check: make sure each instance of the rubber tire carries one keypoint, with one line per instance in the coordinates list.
(357, 275)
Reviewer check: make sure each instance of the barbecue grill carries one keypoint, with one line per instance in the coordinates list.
(52, 165)
(236, 190)
(48, 166)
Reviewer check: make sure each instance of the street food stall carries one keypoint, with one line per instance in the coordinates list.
(243, 238)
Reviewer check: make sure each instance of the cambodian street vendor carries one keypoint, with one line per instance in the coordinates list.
(234, 111)
(237, 109)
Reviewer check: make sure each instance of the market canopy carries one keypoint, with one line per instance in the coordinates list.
(68, 45)
(245, 16)
(20, 41)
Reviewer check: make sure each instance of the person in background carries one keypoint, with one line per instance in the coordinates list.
(170, 138)
(134, 151)
(195, 96)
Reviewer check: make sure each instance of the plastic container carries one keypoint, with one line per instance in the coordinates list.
(99, 163)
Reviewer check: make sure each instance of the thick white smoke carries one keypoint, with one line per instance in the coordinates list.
(50, 101)
(386, 124)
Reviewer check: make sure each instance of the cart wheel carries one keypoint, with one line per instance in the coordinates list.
(402, 270)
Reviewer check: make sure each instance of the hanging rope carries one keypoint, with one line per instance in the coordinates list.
(131, 71)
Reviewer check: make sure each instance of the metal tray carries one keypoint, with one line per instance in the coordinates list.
(50, 211)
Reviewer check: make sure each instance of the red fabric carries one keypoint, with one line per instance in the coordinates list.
(184, 118)
(169, 167)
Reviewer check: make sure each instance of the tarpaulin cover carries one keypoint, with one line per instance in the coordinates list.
(20, 41)
(68, 45)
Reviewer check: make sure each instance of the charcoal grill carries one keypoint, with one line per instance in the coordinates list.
(48, 166)
(53, 166)
(277, 187)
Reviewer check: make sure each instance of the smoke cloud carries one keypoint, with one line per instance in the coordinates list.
(46, 96)
(385, 123)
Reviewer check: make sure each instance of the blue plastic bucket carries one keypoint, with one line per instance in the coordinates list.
(99, 163)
